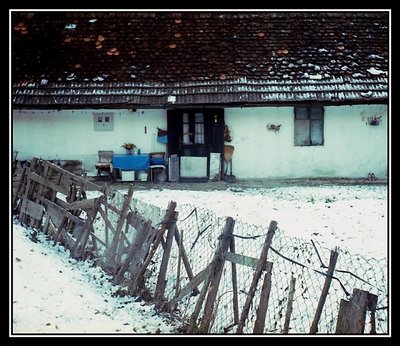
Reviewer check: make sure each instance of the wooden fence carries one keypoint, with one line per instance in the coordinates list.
(56, 201)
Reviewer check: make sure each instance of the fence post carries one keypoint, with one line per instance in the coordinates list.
(217, 268)
(111, 251)
(325, 289)
(259, 324)
(185, 258)
(234, 285)
(351, 319)
(84, 236)
(161, 282)
(139, 274)
(289, 305)
(257, 274)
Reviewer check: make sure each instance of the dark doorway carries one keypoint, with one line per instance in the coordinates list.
(192, 135)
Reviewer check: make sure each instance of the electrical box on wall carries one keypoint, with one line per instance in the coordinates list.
(103, 121)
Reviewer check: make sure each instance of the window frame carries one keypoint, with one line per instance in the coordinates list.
(307, 121)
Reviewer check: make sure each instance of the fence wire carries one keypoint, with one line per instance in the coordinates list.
(306, 261)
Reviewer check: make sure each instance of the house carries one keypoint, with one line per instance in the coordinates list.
(304, 94)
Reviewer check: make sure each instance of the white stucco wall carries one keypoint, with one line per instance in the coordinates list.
(73, 130)
(351, 148)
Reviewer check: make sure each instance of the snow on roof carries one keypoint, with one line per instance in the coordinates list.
(174, 49)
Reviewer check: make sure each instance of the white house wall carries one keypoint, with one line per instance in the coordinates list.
(351, 148)
(69, 134)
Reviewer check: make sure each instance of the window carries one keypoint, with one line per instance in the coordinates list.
(103, 121)
(193, 128)
(308, 126)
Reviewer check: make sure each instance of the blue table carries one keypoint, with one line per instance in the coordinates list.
(131, 162)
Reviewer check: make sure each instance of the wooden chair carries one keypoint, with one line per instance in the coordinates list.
(105, 162)
(158, 162)
(228, 153)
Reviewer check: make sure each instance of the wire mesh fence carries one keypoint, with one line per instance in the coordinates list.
(197, 237)
(291, 257)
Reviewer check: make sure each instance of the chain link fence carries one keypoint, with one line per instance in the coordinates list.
(306, 261)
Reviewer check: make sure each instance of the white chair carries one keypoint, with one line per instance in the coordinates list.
(158, 162)
(105, 162)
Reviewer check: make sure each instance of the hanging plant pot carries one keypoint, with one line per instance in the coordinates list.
(374, 121)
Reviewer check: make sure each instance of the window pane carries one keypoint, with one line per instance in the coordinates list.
(301, 112)
(317, 132)
(302, 132)
(316, 112)
(185, 117)
(99, 119)
(186, 138)
(199, 133)
(199, 118)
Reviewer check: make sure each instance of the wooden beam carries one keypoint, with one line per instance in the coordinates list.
(257, 274)
(53, 208)
(82, 204)
(161, 282)
(32, 209)
(37, 178)
(324, 293)
(246, 261)
(217, 269)
(259, 324)
(289, 308)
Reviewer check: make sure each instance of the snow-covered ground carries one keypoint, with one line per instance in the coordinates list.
(350, 217)
(53, 293)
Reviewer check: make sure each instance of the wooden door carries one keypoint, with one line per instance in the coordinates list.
(196, 133)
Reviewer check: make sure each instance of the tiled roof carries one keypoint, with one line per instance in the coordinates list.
(117, 58)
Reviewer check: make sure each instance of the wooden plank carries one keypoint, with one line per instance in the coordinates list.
(372, 302)
(351, 319)
(20, 186)
(193, 318)
(259, 324)
(58, 212)
(256, 276)
(111, 251)
(37, 178)
(235, 298)
(289, 307)
(82, 240)
(246, 260)
(67, 239)
(138, 277)
(82, 204)
(161, 282)
(185, 260)
(194, 283)
(121, 246)
(217, 268)
(324, 293)
(144, 241)
(32, 209)
(106, 220)
(178, 268)
(98, 239)
(133, 250)
(74, 177)
(29, 187)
